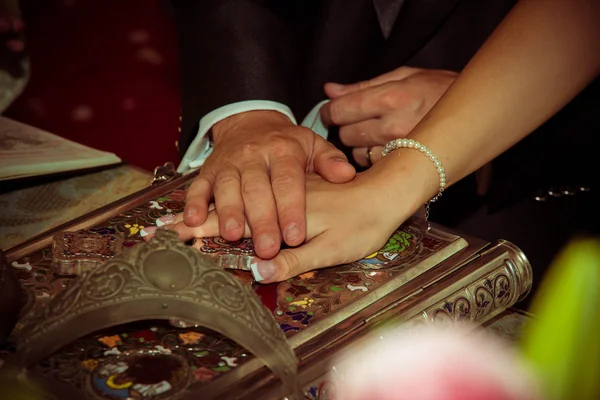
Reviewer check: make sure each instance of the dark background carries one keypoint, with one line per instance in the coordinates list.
(104, 73)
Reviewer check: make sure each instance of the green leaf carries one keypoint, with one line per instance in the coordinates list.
(397, 243)
(563, 343)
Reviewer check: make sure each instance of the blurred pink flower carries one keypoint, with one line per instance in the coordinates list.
(434, 362)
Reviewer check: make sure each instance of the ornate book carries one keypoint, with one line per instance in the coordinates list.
(26, 151)
(112, 317)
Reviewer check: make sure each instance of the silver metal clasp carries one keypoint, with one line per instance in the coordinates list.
(165, 173)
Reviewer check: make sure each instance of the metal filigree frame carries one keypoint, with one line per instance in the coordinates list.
(162, 279)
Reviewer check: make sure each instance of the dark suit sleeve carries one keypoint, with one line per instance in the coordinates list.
(233, 50)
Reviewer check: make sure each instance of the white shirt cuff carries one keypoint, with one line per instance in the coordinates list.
(201, 147)
(314, 122)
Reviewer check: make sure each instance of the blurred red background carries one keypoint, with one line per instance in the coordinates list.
(104, 73)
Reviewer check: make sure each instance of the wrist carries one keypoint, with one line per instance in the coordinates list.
(412, 178)
(249, 120)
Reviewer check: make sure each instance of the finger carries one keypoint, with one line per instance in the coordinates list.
(360, 155)
(374, 132)
(165, 221)
(362, 134)
(169, 219)
(198, 198)
(229, 203)
(209, 228)
(260, 209)
(351, 108)
(333, 90)
(288, 180)
(318, 253)
(330, 162)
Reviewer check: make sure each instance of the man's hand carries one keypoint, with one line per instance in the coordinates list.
(388, 107)
(345, 222)
(256, 174)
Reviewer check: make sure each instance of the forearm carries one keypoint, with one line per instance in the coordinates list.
(539, 58)
(233, 51)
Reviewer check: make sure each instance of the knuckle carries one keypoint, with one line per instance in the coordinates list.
(390, 99)
(200, 186)
(264, 224)
(284, 181)
(280, 146)
(226, 180)
(249, 149)
(206, 176)
(290, 264)
(336, 111)
(254, 185)
(228, 210)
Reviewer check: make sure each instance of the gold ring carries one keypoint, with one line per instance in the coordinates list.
(369, 155)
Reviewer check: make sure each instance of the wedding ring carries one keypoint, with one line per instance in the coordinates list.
(369, 155)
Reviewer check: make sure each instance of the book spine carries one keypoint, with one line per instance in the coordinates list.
(481, 290)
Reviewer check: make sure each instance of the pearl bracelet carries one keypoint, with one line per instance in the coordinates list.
(413, 144)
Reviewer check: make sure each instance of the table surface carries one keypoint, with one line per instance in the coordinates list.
(510, 324)
(28, 212)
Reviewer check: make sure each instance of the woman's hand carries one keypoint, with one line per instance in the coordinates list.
(387, 107)
(345, 222)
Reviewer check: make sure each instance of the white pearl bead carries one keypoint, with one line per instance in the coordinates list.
(414, 144)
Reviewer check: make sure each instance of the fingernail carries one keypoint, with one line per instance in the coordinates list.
(265, 242)
(292, 233)
(190, 212)
(340, 159)
(15, 46)
(263, 270)
(232, 224)
(165, 220)
(149, 230)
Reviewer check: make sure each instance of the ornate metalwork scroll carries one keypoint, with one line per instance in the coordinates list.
(503, 279)
(165, 173)
(162, 279)
(75, 252)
